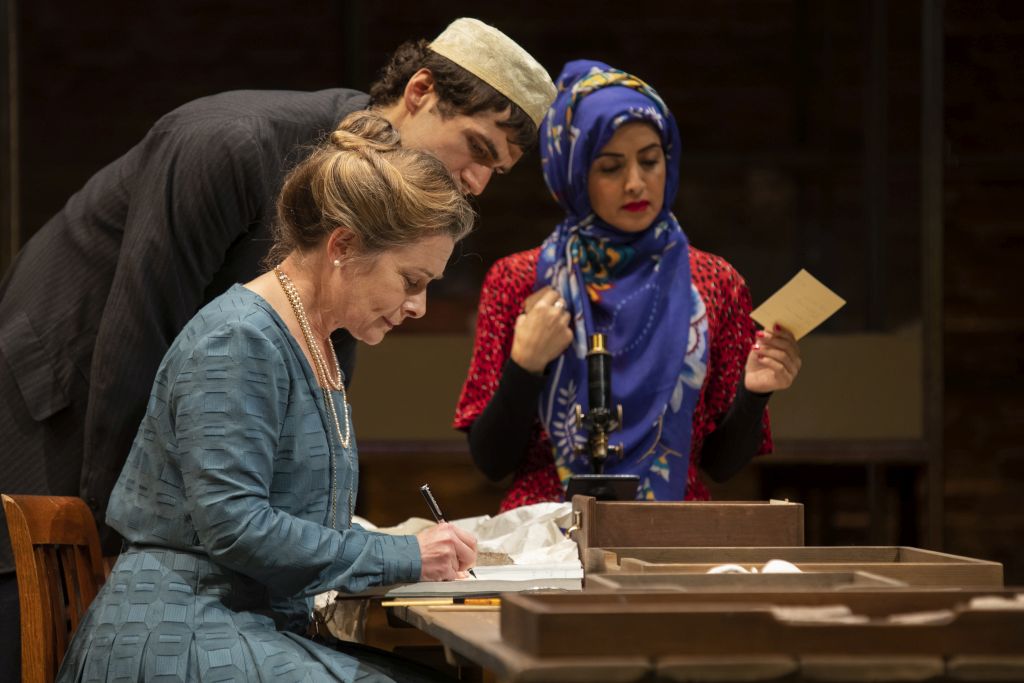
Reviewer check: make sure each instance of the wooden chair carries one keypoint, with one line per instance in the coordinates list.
(60, 568)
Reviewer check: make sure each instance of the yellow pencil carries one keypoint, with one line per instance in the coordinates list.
(482, 601)
(437, 602)
(465, 608)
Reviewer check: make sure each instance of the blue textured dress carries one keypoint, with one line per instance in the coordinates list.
(226, 506)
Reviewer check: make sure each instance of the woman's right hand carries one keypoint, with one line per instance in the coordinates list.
(542, 331)
(446, 552)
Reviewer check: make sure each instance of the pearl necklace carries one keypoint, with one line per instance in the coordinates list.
(326, 381)
(319, 361)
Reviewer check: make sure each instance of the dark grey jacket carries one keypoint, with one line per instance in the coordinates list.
(96, 297)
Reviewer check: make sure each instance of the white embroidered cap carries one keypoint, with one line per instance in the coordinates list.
(496, 59)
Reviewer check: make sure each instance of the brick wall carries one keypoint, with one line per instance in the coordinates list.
(984, 326)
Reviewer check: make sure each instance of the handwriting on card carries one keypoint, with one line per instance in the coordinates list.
(800, 305)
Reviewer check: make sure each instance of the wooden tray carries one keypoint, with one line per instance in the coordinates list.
(606, 524)
(735, 624)
(913, 566)
(808, 581)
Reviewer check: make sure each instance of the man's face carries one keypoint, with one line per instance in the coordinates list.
(472, 147)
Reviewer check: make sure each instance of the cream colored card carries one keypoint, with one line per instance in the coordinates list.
(802, 304)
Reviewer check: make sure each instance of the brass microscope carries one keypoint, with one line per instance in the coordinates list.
(600, 420)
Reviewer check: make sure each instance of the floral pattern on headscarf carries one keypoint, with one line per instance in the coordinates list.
(633, 287)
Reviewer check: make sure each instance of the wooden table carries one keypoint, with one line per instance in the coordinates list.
(475, 636)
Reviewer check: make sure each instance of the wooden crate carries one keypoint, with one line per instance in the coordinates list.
(735, 624)
(913, 566)
(808, 581)
(606, 524)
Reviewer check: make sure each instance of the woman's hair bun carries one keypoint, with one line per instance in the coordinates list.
(362, 179)
(363, 130)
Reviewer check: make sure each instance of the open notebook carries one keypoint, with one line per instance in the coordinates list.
(501, 579)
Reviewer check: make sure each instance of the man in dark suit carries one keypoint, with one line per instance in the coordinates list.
(95, 298)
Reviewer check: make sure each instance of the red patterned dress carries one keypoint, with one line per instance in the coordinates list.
(730, 335)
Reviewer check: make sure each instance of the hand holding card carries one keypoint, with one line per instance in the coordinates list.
(800, 305)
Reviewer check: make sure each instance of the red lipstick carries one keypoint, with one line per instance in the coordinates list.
(637, 206)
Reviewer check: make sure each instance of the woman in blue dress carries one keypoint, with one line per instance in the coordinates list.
(236, 500)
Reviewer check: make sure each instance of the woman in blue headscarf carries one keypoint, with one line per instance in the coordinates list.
(692, 373)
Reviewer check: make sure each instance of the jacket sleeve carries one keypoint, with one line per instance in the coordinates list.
(230, 403)
(502, 294)
(500, 436)
(195, 191)
(498, 404)
(729, 350)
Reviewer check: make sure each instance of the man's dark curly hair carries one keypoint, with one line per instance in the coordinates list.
(458, 91)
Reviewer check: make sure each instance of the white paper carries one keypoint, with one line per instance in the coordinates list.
(532, 536)
(470, 587)
(528, 572)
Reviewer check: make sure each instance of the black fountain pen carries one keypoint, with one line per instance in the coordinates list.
(435, 510)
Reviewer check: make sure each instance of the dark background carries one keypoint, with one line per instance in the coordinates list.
(801, 126)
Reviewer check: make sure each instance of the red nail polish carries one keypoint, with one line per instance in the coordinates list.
(760, 334)
(778, 327)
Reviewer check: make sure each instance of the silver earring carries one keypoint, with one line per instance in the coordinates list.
(337, 263)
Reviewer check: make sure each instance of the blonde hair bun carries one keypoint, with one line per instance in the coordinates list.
(363, 130)
(361, 178)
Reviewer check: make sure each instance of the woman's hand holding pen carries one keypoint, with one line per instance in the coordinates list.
(446, 552)
(773, 362)
(542, 331)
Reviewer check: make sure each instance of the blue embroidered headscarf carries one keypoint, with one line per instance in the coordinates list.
(633, 287)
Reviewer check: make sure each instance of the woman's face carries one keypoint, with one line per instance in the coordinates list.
(376, 295)
(627, 179)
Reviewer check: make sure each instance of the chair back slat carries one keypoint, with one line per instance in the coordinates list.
(49, 566)
(69, 585)
(60, 569)
(85, 591)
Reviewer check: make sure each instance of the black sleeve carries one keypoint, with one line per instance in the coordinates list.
(499, 438)
(735, 441)
(194, 193)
